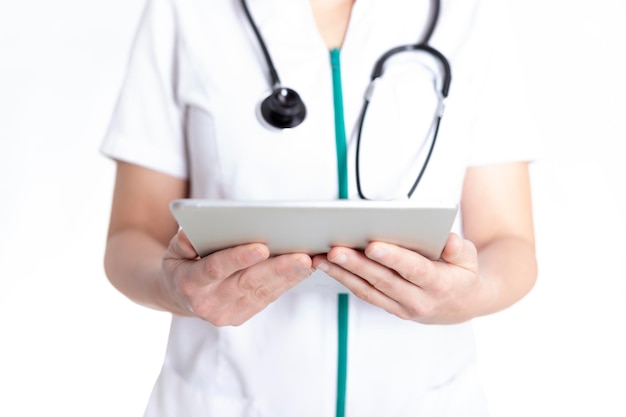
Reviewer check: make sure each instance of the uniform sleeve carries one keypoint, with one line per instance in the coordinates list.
(502, 129)
(146, 127)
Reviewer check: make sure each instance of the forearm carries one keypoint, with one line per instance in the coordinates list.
(133, 264)
(509, 268)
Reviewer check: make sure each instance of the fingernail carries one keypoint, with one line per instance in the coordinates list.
(375, 253)
(305, 267)
(323, 267)
(258, 254)
(339, 258)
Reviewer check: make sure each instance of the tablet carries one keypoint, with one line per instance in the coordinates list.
(314, 226)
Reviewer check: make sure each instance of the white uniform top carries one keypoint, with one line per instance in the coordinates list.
(188, 108)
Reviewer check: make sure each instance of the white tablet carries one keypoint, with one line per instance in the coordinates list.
(315, 226)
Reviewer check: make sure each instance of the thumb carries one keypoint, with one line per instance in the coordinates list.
(181, 247)
(460, 252)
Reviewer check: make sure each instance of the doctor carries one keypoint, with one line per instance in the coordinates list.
(379, 332)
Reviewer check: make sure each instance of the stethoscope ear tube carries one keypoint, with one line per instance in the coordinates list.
(377, 72)
(358, 141)
(425, 164)
(446, 70)
(437, 122)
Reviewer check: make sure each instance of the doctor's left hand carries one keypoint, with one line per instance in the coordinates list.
(411, 286)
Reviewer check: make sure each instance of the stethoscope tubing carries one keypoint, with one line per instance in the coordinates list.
(377, 72)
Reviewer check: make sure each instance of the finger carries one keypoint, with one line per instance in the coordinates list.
(376, 274)
(224, 263)
(410, 265)
(264, 282)
(372, 286)
(257, 287)
(460, 252)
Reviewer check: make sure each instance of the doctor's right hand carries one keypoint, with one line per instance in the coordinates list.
(230, 286)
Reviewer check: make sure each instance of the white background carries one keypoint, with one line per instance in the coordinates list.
(71, 345)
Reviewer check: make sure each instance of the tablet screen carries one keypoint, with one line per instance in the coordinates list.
(315, 226)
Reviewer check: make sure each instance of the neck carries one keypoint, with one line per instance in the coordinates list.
(332, 18)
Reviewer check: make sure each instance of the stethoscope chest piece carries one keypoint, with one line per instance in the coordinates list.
(283, 108)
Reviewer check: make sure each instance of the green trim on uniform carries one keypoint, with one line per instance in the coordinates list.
(342, 178)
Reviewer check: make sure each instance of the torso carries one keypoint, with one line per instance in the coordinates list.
(254, 369)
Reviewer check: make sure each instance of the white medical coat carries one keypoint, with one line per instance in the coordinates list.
(188, 108)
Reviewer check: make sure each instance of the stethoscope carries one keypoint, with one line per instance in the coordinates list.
(284, 108)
